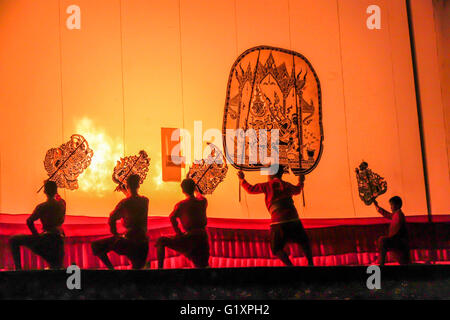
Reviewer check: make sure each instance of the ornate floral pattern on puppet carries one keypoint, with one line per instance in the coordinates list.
(65, 163)
(273, 88)
(126, 166)
(370, 184)
(208, 173)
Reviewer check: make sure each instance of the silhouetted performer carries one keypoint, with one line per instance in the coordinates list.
(193, 243)
(134, 244)
(397, 238)
(50, 243)
(286, 225)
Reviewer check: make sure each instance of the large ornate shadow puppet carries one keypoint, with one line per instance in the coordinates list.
(273, 88)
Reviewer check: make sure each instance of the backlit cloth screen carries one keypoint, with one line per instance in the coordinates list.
(134, 67)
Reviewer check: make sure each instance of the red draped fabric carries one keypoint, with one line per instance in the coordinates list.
(244, 242)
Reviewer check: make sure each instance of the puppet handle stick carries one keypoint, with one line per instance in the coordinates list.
(62, 164)
(207, 169)
(240, 191)
(303, 195)
(248, 111)
(299, 125)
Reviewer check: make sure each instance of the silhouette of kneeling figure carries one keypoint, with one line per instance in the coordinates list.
(50, 243)
(134, 244)
(193, 243)
(397, 238)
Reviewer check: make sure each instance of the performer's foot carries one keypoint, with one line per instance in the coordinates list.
(376, 261)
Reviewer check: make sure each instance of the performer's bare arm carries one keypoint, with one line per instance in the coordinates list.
(294, 190)
(31, 219)
(381, 211)
(174, 220)
(114, 216)
(252, 189)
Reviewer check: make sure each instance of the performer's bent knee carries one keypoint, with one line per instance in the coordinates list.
(277, 252)
(382, 241)
(13, 242)
(96, 249)
(161, 242)
(16, 241)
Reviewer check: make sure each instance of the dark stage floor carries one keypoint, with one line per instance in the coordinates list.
(347, 282)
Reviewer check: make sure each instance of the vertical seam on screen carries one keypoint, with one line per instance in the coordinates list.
(395, 95)
(181, 61)
(61, 76)
(236, 28)
(237, 53)
(345, 109)
(123, 82)
(181, 74)
(289, 24)
(440, 87)
(290, 48)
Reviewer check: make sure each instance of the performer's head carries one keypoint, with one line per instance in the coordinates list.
(279, 173)
(188, 186)
(133, 183)
(396, 203)
(50, 188)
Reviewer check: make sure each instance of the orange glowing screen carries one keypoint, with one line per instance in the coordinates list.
(132, 72)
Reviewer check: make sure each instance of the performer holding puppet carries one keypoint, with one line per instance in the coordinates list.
(134, 244)
(370, 186)
(203, 178)
(286, 225)
(397, 237)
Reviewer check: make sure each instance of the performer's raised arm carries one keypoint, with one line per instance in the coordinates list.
(296, 189)
(252, 189)
(382, 211)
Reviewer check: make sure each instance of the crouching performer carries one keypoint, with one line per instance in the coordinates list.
(397, 238)
(286, 225)
(50, 243)
(193, 243)
(134, 244)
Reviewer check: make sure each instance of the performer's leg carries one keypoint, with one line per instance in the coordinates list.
(161, 251)
(277, 243)
(200, 255)
(51, 249)
(403, 253)
(100, 248)
(139, 255)
(301, 238)
(284, 257)
(15, 242)
(404, 257)
(382, 249)
(182, 243)
(307, 250)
